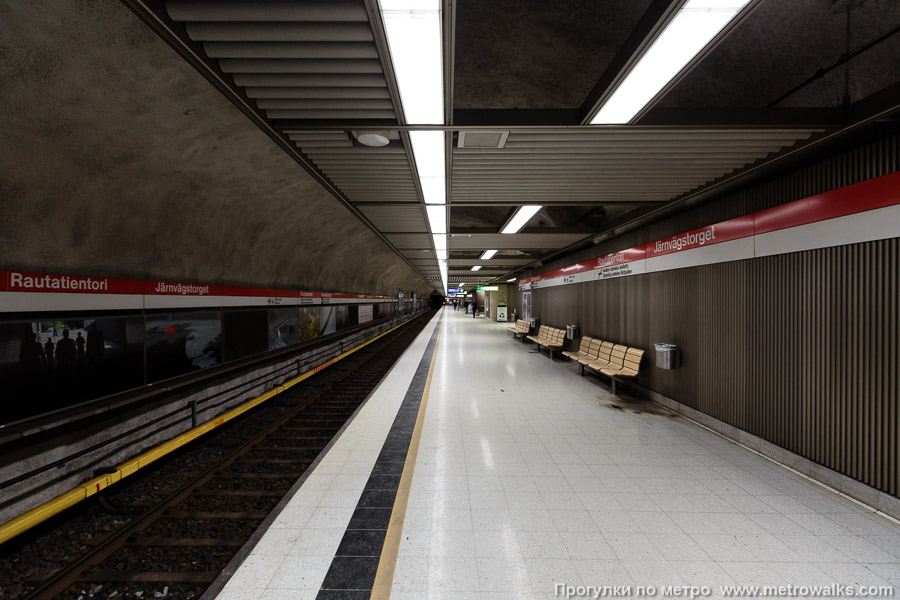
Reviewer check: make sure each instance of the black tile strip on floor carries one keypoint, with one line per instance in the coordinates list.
(352, 571)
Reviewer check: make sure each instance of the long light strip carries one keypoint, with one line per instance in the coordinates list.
(476, 268)
(440, 246)
(442, 265)
(428, 150)
(692, 28)
(488, 255)
(520, 217)
(413, 31)
(437, 217)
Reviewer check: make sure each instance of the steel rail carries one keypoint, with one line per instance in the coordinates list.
(73, 573)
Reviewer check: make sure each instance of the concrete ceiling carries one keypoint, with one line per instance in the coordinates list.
(253, 175)
(120, 160)
(782, 44)
(536, 54)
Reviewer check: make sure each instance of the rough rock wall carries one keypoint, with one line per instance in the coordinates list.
(118, 159)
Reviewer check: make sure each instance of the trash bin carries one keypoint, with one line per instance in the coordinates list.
(501, 312)
(571, 332)
(666, 356)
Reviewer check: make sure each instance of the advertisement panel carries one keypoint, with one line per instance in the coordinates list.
(181, 343)
(55, 363)
(366, 314)
(283, 326)
(333, 319)
(309, 322)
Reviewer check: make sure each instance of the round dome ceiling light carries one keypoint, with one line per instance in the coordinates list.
(376, 139)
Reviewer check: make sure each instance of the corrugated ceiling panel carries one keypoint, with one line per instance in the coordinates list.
(410, 240)
(303, 60)
(407, 219)
(519, 241)
(590, 165)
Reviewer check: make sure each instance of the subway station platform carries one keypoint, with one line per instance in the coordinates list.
(531, 482)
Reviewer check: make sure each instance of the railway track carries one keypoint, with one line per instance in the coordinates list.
(177, 546)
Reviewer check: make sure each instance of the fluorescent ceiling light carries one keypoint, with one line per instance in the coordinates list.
(476, 268)
(412, 5)
(437, 217)
(488, 254)
(440, 246)
(442, 265)
(413, 30)
(414, 37)
(434, 190)
(692, 28)
(520, 217)
(428, 150)
(428, 147)
(508, 280)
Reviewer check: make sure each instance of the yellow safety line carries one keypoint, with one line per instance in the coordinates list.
(387, 564)
(52, 507)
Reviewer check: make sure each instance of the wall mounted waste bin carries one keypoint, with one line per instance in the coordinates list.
(666, 356)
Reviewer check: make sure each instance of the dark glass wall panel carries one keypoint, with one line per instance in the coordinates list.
(283, 326)
(52, 364)
(181, 343)
(246, 333)
(352, 318)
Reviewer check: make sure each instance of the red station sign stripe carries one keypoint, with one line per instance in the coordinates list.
(860, 197)
(872, 194)
(20, 281)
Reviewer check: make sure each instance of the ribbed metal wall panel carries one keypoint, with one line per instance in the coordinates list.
(800, 349)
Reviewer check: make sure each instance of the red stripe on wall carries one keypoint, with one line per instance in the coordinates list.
(726, 231)
(861, 197)
(872, 194)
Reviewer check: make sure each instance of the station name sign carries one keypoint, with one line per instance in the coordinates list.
(28, 292)
(866, 211)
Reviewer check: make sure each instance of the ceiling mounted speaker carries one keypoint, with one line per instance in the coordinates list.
(376, 139)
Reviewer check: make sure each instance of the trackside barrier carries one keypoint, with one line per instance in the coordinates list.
(52, 507)
(207, 403)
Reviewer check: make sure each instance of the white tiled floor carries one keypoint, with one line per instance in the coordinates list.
(526, 477)
(292, 558)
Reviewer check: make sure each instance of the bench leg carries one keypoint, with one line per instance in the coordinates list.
(582, 369)
(613, 380)
(538, 351)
